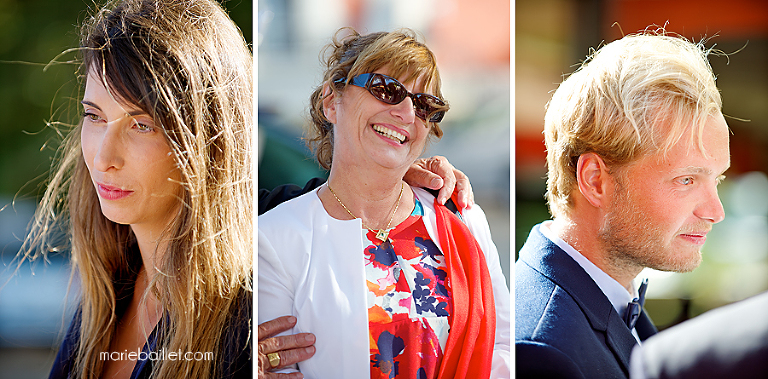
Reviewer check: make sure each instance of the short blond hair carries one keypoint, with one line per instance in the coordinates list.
(632, 97)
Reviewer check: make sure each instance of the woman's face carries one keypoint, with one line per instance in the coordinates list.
(129, 160)
(371, 132)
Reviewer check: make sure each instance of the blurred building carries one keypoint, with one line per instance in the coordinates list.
(553, 36)
(471, 40)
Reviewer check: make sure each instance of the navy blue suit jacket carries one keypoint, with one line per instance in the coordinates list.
(565, 327)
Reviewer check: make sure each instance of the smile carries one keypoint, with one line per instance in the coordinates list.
(389, 133)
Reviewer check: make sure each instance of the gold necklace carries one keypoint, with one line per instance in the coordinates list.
(381, 234)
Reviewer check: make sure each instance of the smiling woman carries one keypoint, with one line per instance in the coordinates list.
(152, 186)
(397, 286)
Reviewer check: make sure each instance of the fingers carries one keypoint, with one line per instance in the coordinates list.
(282, 343)
(293, 356)
(272, 375)
(440, 166)
(287, 358)
(438, 173)
(270, 328)
(290, 349)
(419, 176)
(465, 195)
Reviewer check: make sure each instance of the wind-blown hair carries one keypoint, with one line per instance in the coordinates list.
(635, 96)
(351, 54)
(186, 64)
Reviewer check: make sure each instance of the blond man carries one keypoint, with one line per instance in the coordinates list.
(636, 146)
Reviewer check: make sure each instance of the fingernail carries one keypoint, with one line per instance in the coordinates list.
(436, 183)
(292, 319)
(309, 350)
(309, 338)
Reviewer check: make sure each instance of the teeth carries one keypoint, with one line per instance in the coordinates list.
(399, 137)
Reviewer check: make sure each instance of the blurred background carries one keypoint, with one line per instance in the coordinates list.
(553, 36)
(471, 40)
(36, 302)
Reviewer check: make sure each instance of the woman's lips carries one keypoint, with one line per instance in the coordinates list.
(108, 192)
(399, 137)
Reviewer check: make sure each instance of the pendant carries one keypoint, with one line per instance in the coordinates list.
(382, 235)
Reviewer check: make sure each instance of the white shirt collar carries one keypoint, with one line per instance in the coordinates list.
(615, 292)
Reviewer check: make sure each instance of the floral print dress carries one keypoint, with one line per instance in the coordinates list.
(408, 301)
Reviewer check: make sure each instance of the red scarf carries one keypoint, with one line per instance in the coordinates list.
(469, 349)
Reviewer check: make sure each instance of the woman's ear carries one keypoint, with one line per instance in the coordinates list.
(594, 180)
(329, 103)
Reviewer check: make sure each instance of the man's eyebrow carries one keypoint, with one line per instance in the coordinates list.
(692, 170)
(137, 112)
(697, 170)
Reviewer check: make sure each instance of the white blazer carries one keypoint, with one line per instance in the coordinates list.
(311, 266)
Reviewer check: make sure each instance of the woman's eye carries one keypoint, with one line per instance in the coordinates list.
(143, 127)
(90, 116)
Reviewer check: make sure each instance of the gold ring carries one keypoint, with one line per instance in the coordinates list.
(274, 359)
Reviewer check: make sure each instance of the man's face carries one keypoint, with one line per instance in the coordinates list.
(664, 206)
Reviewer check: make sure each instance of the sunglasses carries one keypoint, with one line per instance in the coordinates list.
(388, 90)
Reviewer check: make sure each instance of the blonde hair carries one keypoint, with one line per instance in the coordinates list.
(635, 96)
(186, 64)
(355, 54)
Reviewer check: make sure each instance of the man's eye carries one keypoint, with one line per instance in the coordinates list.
(686, 181)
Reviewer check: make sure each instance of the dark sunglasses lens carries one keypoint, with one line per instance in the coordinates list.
(426, 105)
(387, 90)
(437, 117)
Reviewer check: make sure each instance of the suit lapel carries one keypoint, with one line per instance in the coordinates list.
(620, 340)
(645, 327)
(548, 259)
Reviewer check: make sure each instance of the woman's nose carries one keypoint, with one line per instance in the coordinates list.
(404, 110)
(108, 154)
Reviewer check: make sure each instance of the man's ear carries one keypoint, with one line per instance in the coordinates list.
(594, 180)
(329, 103)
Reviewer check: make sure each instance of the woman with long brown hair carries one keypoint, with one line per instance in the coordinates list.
(151, 187)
